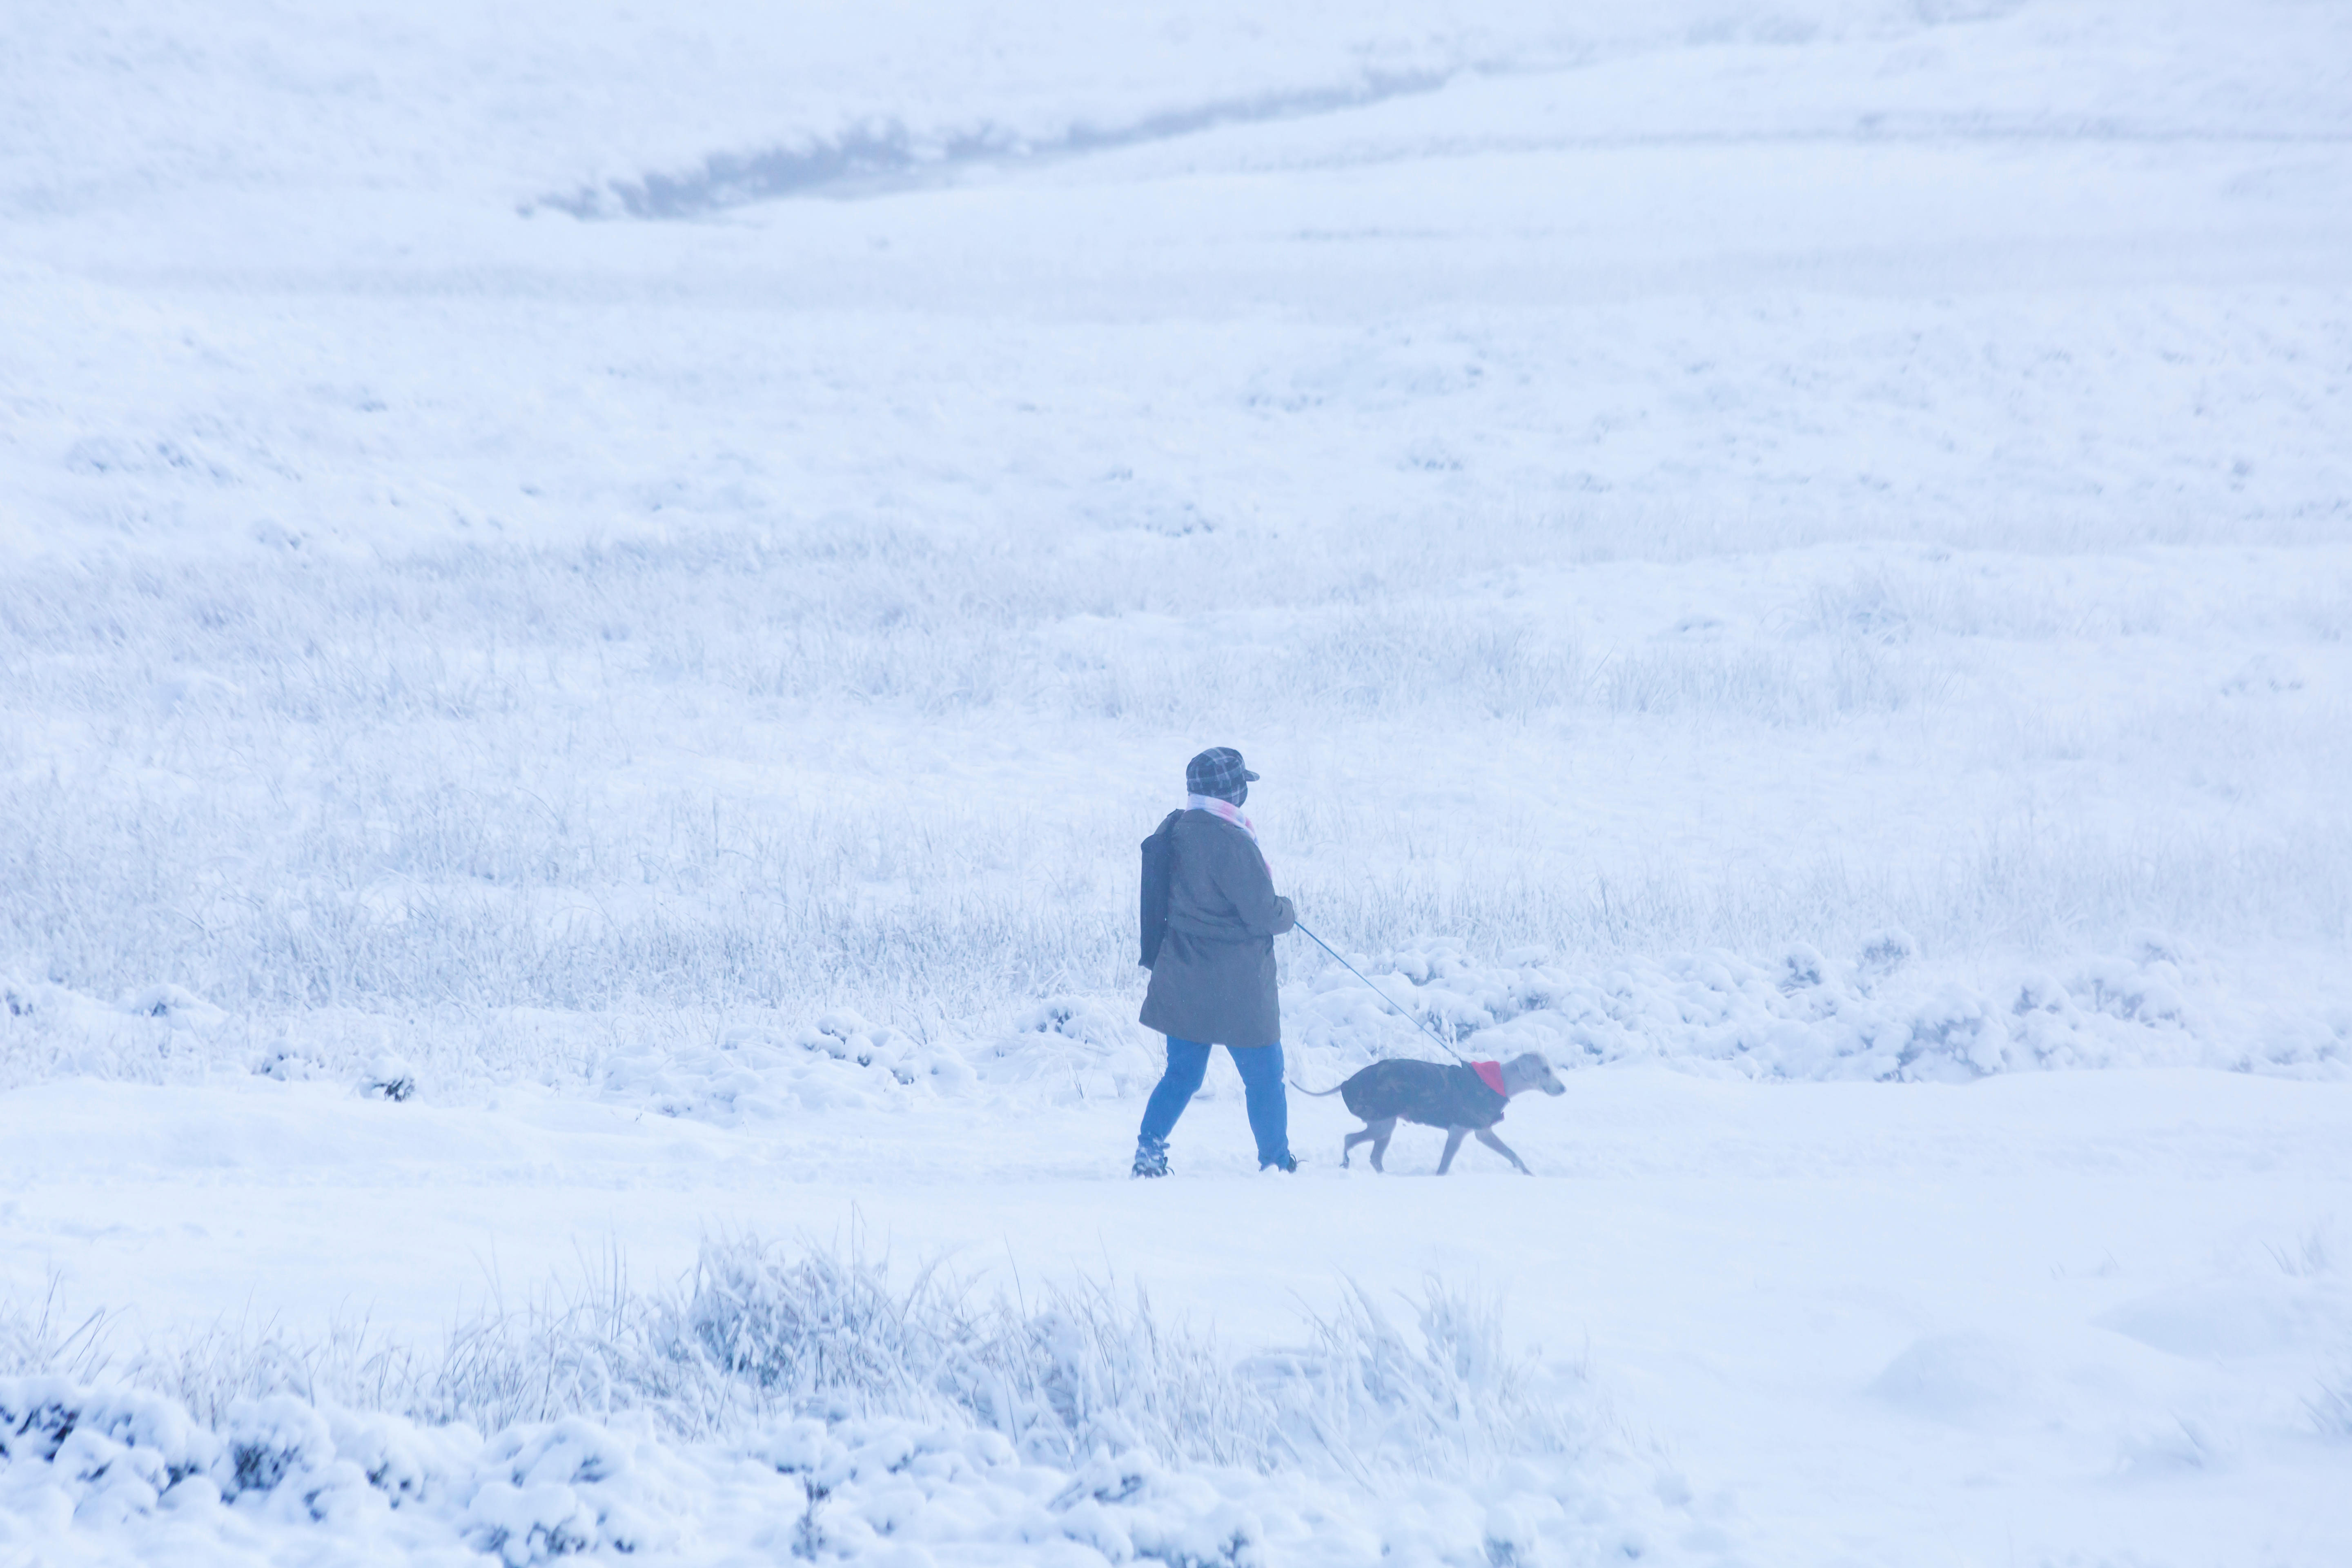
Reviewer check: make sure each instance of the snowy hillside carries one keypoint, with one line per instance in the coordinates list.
(593, 601)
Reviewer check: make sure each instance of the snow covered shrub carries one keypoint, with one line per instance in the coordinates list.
(2138, 993)
(182, 1008)
(48, 1030)
(287, 1063)
(389, 1077)
(845, 1036)
(1073, 1048)
(1954, 1035)
(1802, 967)
(1884, 953)
(540, 1492)
(117, 1452)
(739, 1071)
(1885, 1014)
(405, 1462)
(281, 1445)
(114, 1449)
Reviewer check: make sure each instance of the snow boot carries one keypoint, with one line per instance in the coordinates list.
(1286, 1163)
(1150, 1158)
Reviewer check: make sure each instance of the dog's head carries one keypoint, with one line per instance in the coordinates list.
(1523, 1073)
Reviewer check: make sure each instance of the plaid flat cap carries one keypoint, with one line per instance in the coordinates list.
(1218, 772)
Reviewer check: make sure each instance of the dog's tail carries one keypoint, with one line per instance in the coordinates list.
(1318, 1093)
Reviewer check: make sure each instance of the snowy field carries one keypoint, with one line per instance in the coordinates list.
(593, 601)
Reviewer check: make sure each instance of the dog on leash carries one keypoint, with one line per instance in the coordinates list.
(1461, 1100)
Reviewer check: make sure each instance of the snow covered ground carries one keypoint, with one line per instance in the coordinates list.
(2097, 1314)
(592, 607)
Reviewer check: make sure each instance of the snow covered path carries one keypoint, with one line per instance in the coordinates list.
(2071, 1317)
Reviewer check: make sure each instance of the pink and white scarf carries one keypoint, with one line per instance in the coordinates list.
(1216, 805)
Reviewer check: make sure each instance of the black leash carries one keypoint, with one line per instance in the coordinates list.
(1376, 991)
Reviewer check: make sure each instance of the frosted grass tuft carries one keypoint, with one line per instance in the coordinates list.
(757, 1334)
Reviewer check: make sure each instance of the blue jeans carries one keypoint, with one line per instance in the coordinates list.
(1260, 1068)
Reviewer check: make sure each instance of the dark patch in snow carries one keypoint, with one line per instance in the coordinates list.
(888, 156)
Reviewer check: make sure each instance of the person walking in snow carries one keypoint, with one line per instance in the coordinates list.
(1210, 918)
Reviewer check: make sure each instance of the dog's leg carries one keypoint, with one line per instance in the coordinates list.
(1487, 1136)
(1379, 1132)
(1453, 1136)
(1363, 1136)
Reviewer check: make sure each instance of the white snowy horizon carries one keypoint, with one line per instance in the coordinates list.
(594, 603)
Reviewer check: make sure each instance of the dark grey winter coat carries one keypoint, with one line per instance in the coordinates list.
(1214, 978)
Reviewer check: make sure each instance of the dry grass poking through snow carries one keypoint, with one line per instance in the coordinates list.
(760, 1334)
(610, 777)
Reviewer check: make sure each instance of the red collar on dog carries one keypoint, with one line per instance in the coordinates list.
(1491, 1075)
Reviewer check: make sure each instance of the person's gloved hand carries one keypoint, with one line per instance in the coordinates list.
(1284, 917)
